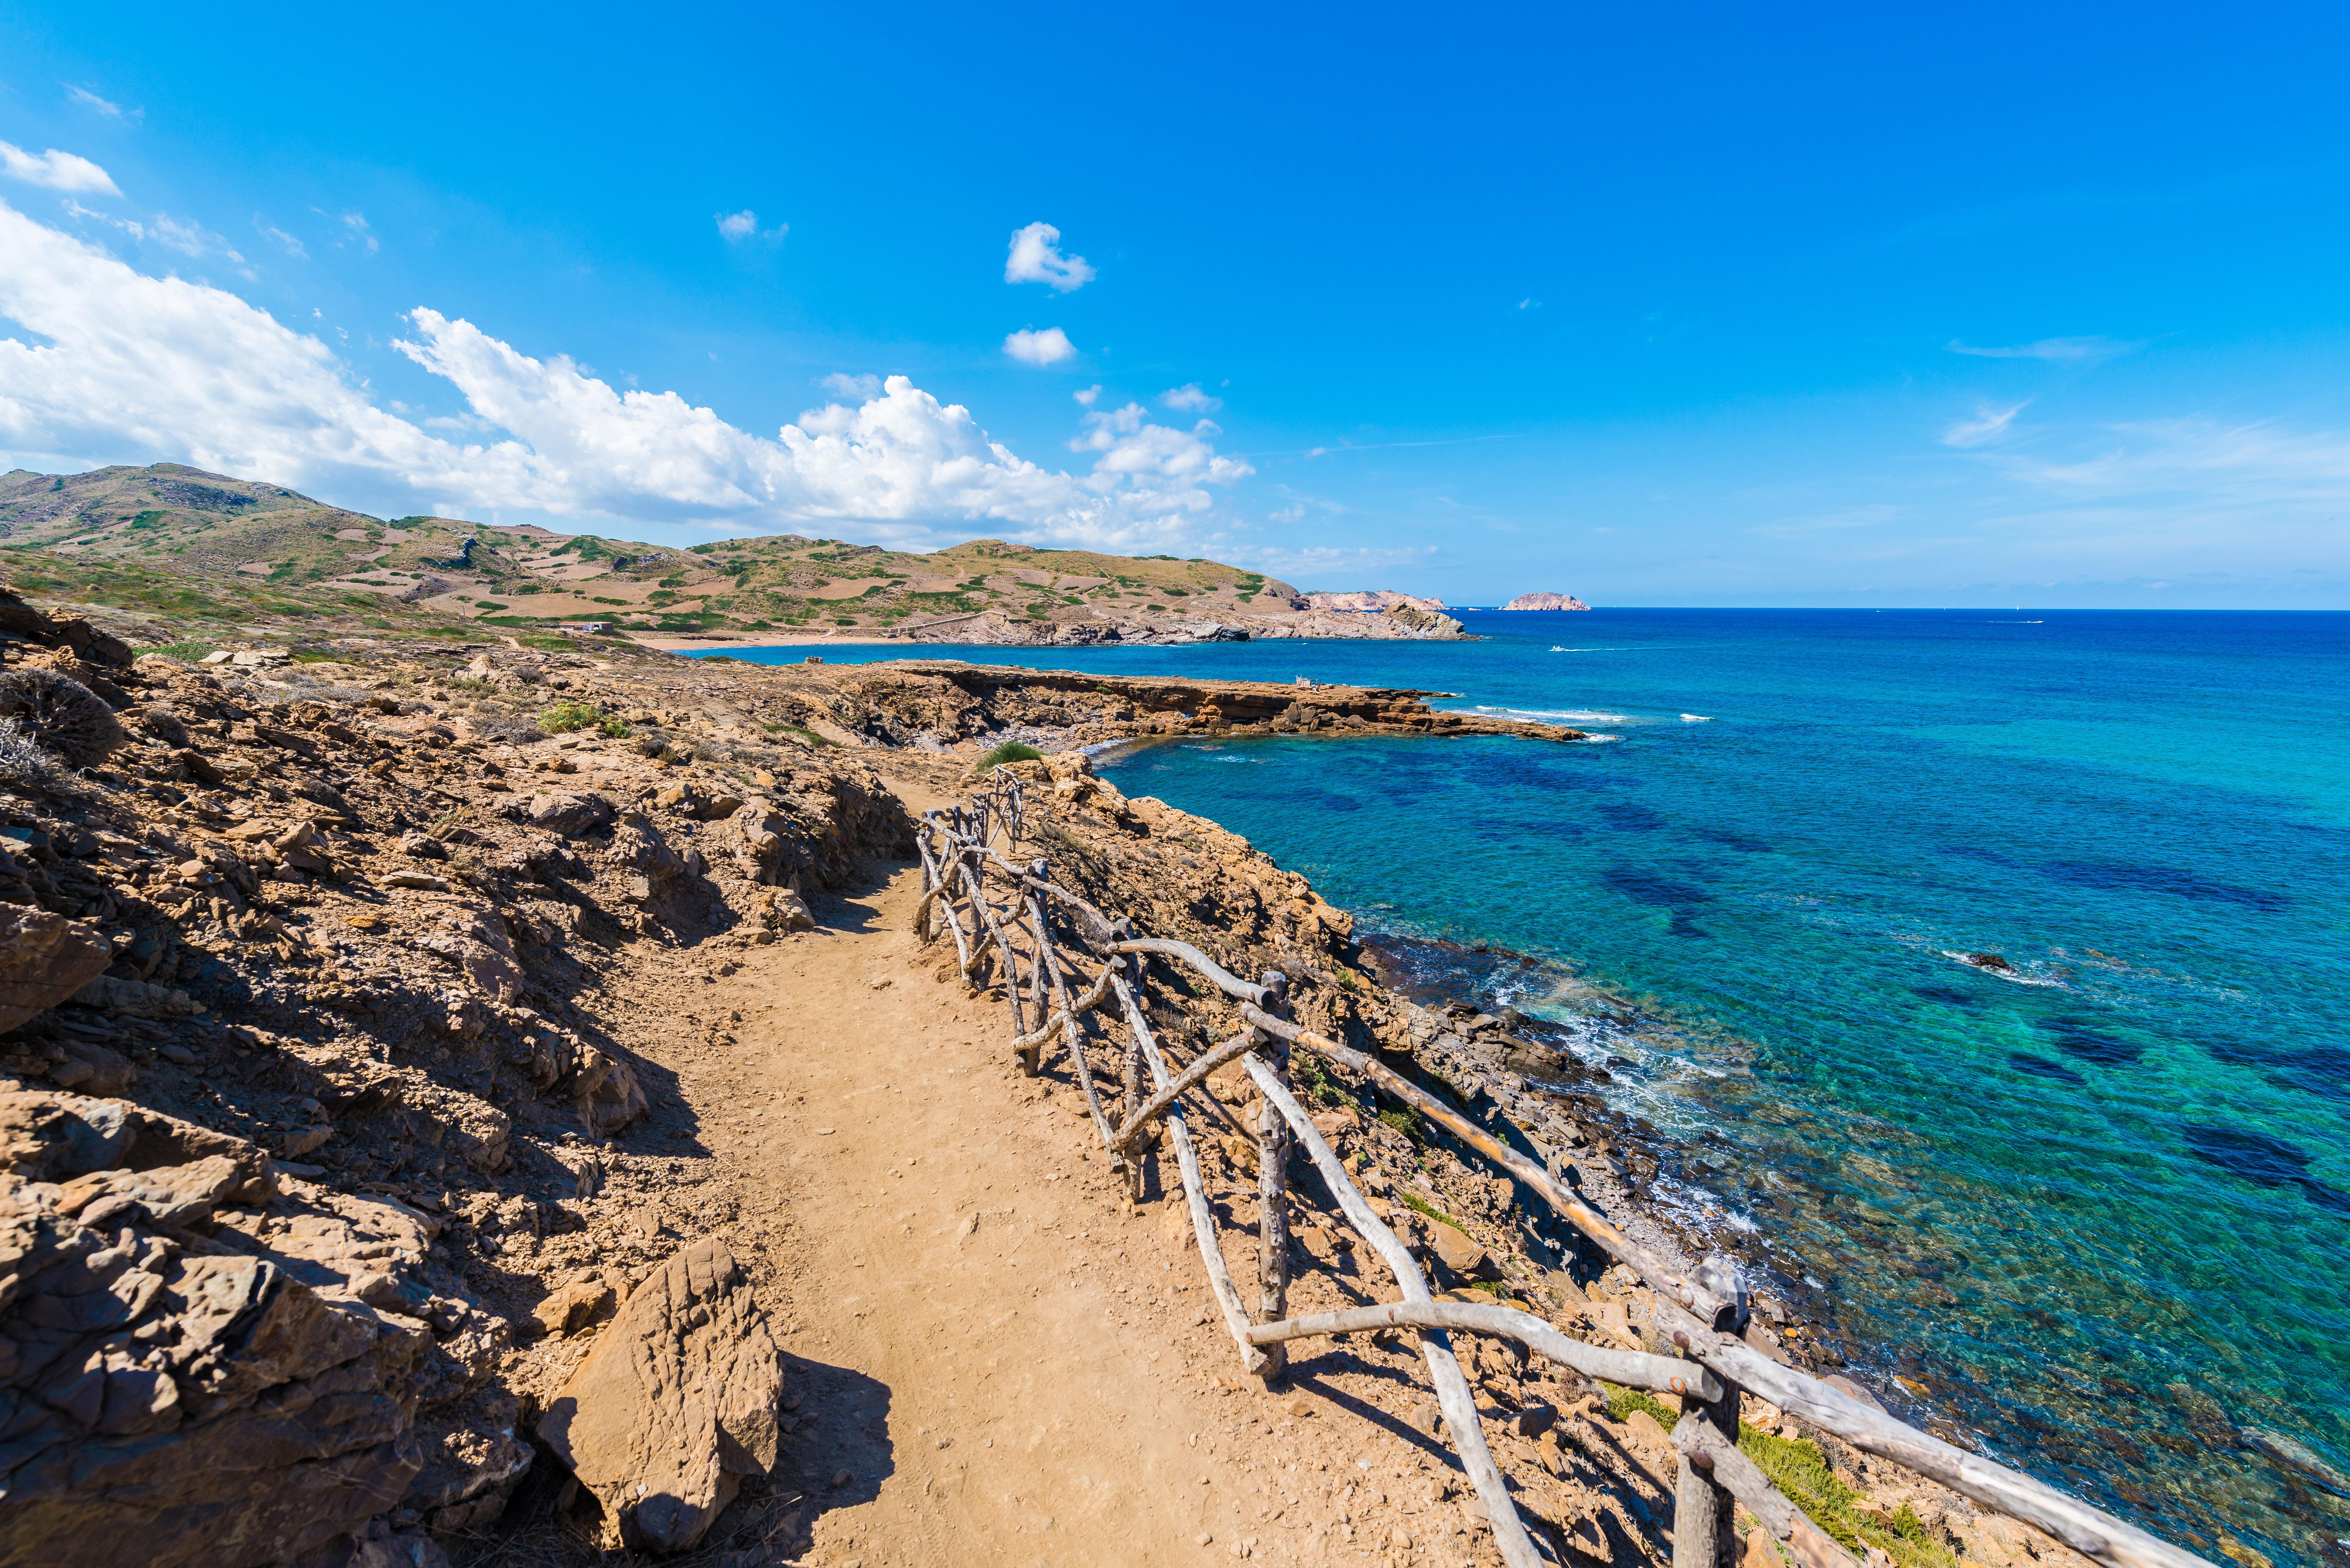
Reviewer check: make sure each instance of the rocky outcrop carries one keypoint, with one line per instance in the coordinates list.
(947, 701)
(1545, 602)
(371, 922)
(1090, 627)
(43, 958)
(20, 622)
(677, 1403)
(1371, 602)
(200, 1367)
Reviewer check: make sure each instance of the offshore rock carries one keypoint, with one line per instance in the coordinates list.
(1545, 602)
(675, 1405)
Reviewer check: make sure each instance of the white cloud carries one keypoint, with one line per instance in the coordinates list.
(185, 237)
(1292, 512)
(270, 232)
(745, 225)
(2249, 465)
(1089, 395)
(1036, 258)
(122, 367)
(1049, 347)
(57, 170)
(90, 100)
(2053, 348)
(355, 225)
(862, 389)
(1129, 444)
(1190, 400)
(1988, 425)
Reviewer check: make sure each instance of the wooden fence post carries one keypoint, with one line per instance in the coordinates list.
(1132, 1102)
(1273, 1181)
(1704, 1528)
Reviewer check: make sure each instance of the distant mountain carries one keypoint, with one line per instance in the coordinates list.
(1545, 602)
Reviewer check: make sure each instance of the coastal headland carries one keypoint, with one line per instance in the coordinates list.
(401, 1047)
(181, 543)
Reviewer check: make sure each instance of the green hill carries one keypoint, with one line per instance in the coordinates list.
(193, 550)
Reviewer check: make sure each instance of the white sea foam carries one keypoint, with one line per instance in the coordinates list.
(1696, 718)
(1573, 715)
(1600, 740)
(2018, 976)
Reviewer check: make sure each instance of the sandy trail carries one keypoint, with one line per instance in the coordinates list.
(1006, 1361)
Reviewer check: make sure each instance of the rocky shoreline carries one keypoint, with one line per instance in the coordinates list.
(1403, 619)
(351, 1209)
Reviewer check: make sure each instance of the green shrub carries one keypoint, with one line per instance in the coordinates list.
(187, 652)
(565, 717)
(1009, 751)
(1622, 1402)
(1421, 1206)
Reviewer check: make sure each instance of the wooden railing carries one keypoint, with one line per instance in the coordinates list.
(1040, 935)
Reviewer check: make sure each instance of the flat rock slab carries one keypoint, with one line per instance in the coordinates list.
(675, 1405)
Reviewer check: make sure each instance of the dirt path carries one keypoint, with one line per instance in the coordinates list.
(1000, 1360)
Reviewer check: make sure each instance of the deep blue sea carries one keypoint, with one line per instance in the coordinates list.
(2094, 1211)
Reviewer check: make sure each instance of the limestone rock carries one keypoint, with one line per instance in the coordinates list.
(569, 814)
(44, 959)
(676, 1402)
(1458, 1253)
(181, 1390)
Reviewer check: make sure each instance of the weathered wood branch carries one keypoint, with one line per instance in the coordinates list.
(1701, 1445)
(1452, 1394)
(1229, 983)
(1075, 1033)
(1168, 1094)
(1577, 1212)
(1195, 1195)
(1632, 1369)
(2092, 1533)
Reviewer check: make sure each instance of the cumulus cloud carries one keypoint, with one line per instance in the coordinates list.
(1036, 258)
(2053, 348)
(1988, 425)
(57, 170)
(1049, 347)
(1089, 395)
(861, 389)
(124, 366)
(739, 225)
(1129, 444)
(1190, 400)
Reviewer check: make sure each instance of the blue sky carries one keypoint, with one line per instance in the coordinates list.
(1810, 306)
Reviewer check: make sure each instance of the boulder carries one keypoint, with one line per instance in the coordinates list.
(569, 814)
(1458, 1252)
(675, 1405)
(44, 959)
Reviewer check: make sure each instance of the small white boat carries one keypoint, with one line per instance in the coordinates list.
(1554, 648)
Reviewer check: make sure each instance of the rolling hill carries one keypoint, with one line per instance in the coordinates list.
(191, 548)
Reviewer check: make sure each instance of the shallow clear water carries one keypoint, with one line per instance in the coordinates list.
(2071, 1210)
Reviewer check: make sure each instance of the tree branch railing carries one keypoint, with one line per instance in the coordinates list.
(1703, 1311)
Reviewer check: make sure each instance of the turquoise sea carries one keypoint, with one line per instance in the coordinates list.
(2094, 1211)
